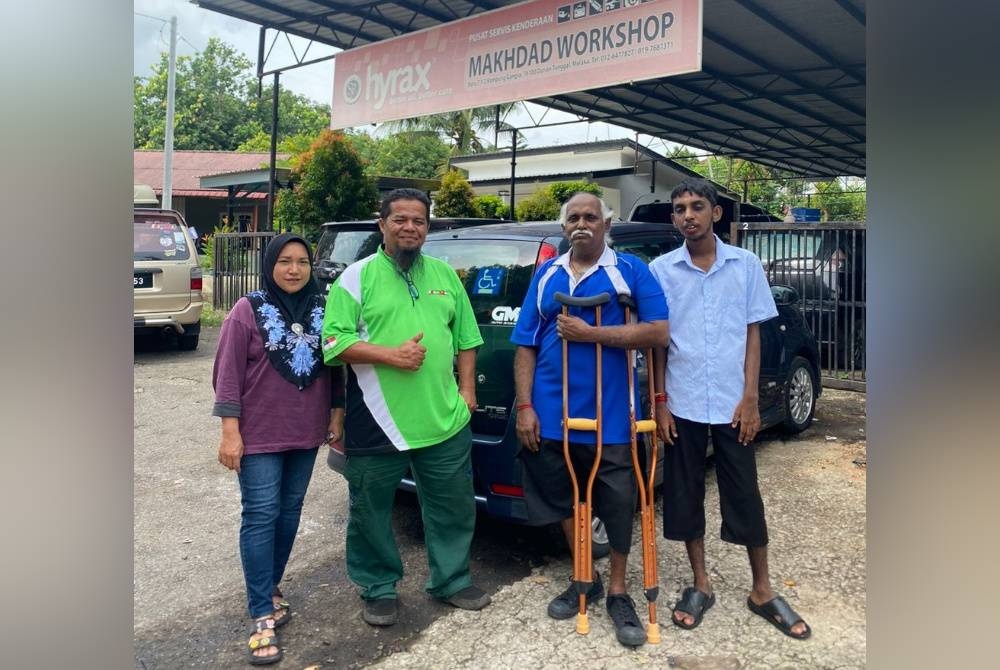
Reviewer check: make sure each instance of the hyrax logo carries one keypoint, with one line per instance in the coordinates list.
(352, 89)
(401, 80)
(505, 314)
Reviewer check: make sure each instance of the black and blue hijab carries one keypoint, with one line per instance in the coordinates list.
(290, 323)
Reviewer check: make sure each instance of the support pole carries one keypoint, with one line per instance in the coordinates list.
(272, 178)
(513, 171)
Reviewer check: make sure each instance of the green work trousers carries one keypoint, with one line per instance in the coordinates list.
(443, 475)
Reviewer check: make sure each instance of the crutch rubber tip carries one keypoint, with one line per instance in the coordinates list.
(582, 624)
(653, 633)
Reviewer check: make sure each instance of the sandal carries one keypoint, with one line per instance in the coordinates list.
(780, 614)
(283, 612)
(695, 603)
(264, 627)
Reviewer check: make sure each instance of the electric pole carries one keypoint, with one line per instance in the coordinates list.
(168, 136)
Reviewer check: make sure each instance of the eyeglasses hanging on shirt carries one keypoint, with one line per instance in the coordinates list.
(414, 294)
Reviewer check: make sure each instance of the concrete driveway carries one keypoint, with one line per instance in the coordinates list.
(190, 606)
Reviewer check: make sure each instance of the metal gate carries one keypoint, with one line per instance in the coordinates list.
(237, 259)
(825, 264)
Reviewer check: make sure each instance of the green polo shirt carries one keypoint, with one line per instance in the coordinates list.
(387, 408)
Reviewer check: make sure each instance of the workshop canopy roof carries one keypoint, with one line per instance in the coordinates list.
(782, 81)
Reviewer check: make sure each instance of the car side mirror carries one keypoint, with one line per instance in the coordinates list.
(784, 295)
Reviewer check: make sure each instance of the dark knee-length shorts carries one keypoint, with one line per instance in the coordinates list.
(684, 485)
(548, 490)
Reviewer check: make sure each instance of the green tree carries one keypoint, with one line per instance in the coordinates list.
(564, 190)
(461, 128)
(837, 204)
(683, 155)
(455, 197)
(216, 106)
(539, 206)
(292, 145)
(367, 147)
(490, 207)
(409, 154)
(297, 114)
(328, 183)
(210, 106)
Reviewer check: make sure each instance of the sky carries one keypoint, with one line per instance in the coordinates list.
(195, 26)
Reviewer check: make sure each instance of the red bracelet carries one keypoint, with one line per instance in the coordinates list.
(524, 405)
(660, 398)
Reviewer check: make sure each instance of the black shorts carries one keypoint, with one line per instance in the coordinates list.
(548, 490)
(684, 485)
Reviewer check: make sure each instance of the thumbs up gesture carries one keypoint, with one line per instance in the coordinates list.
(410, 354)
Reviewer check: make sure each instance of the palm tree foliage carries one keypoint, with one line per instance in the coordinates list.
(462, 128)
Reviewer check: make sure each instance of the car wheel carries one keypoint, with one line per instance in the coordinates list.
(599, 547)
(800, 396)
(188, 342)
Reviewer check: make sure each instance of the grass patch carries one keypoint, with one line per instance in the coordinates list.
(212, 317)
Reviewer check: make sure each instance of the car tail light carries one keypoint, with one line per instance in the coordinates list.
(195, 279)
(507, 490)
(545, 253)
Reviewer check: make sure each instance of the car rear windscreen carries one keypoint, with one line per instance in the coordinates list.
(343, 247)
(495, 274)
(159, 239)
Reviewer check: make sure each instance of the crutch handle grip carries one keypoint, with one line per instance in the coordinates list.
(592, 301)
(582, 424)
(626, 301)
(645, 426)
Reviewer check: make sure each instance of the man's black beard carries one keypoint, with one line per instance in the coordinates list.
(405, 258)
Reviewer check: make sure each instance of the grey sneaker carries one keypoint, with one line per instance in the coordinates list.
(380, 611)
(469, 598)
(567, 603)
(628, 628)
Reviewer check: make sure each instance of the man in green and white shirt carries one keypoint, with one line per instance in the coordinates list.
(399, 319)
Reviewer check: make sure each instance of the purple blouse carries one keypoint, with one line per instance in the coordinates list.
(273, 414)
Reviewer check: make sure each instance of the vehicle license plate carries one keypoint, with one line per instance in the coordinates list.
(142, 280)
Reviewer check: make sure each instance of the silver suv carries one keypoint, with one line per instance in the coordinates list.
(166, 277)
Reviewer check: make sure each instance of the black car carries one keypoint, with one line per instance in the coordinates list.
(343, 242)
(495, 263)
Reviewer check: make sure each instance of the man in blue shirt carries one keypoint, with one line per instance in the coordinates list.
(718, 295)
(588, 269)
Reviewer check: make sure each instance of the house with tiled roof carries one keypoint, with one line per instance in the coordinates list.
(206, 208)
(212, 186)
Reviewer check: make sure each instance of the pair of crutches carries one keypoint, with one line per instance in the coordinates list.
(582, 510)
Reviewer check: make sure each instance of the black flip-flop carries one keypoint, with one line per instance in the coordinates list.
(695, 603)
(780, 614)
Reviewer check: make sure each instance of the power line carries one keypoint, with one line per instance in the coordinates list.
(155, 18)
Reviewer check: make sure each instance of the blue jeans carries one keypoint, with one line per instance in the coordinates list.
(272, 488)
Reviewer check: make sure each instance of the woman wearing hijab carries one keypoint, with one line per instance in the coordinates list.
(278, 403)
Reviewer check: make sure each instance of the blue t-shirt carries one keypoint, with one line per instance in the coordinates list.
(615, 274)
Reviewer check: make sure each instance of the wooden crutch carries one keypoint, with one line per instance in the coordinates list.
(582, 558)
(645, 485)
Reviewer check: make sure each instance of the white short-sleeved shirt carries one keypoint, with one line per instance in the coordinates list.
(709, 315)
